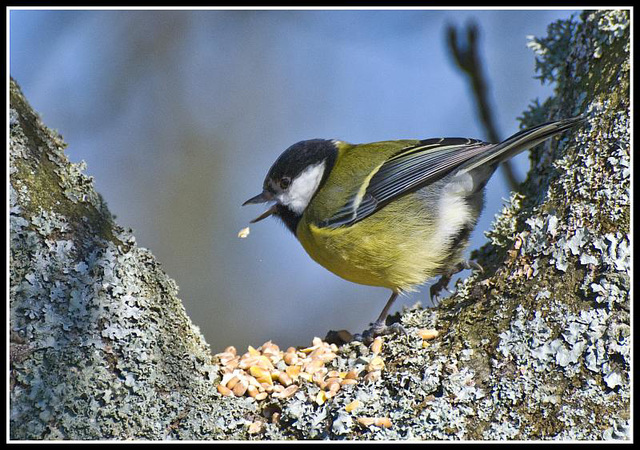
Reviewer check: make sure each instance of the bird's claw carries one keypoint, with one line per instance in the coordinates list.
(470, 264)
(442, 283)
(379, 328)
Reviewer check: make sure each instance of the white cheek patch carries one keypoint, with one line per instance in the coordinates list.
(302, 188)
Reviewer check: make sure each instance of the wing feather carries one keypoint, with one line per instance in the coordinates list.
(406, 171)
(431, 159)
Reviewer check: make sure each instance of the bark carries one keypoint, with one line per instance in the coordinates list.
(536, 347)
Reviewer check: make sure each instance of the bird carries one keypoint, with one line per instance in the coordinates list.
(392, 214)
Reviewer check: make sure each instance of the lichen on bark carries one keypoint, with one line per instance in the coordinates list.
(536, 347)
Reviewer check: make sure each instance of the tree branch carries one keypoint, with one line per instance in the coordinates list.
(467, 58)
(536, 347)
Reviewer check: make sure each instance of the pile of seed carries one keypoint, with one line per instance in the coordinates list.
(269, 371)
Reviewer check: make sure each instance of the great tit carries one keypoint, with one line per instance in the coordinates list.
(394, 213)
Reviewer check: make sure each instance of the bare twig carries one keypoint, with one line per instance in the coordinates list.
(467, 59)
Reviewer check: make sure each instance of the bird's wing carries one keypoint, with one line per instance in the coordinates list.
(416, 166)
(406, 171)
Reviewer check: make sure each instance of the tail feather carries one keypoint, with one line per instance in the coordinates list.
(521, 141)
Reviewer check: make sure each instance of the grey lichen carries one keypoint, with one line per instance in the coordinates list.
(536, 347)
(106, 349)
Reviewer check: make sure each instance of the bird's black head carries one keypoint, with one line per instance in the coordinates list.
(294, 178)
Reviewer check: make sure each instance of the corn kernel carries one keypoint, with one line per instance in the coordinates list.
(353, 405)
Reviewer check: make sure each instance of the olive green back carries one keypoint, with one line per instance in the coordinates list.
(354, 165)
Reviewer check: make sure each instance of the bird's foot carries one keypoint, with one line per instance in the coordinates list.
(442, 283)
(379, 328)
(470, 264)
(437, 287)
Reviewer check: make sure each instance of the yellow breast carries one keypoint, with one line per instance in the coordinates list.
(368, 253)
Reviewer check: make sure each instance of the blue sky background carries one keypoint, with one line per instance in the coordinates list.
(179, 114)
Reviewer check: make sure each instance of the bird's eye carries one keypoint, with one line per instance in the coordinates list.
(285, 182)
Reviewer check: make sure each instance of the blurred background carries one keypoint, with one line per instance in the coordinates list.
(179, 115)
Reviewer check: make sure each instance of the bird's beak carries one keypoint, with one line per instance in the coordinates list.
(263, 197)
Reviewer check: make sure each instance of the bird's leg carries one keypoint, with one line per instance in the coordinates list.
(442, 283)
(385, 311)
(379, 327)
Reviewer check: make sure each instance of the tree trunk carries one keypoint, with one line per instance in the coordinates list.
(536, 347)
